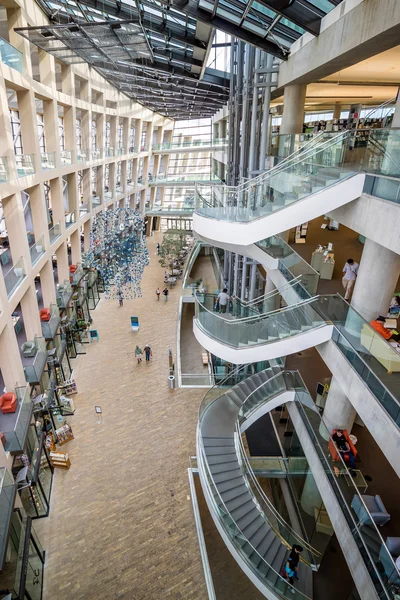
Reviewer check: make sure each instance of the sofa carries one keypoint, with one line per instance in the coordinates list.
(332, 448)
(8, 403)
(45, 314)
(28, 349)
(393, 547)
(375, 509)
(380, 349)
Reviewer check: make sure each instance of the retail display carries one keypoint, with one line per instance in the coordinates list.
(68, 387)
(64, 434)
(300, 233)
(323, 261)
(60, 460)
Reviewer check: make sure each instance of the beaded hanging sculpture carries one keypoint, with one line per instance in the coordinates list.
(118, 251)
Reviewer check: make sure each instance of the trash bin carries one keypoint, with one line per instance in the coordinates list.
(171, 381)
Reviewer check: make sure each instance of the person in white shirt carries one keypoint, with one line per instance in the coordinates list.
(223, 299)
(350, 271)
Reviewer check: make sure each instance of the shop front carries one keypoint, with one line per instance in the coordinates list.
(34, 472)
(21, 576)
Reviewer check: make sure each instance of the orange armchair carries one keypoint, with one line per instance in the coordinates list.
(72, 268)
(332, 448)
(45, 314)
(8, 403)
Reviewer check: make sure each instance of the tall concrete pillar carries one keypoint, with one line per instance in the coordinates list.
(271, 303)
(30, 313)
(293, 108)
(338, 411)
(376, 280)
(337, 109)
(396, 116)
(10, 358)
(310, 496)
(47, 284)
(244, 277)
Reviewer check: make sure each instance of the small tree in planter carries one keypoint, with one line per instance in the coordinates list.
(172, 245)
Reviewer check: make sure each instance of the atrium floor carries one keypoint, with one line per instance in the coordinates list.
(121, 522)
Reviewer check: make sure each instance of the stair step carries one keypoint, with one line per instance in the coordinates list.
(244, 523)
(216, 450)
(220, 459)
(238, 501)
(243, 509)
(234, 493)
(226, 476)
(253, 526)
(218, 441)
(225, 486)
(224, 467)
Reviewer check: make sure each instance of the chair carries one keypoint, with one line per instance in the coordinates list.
(72, 268)
(8, 403)
(93, 335)
(332, 448)
(375, 507)
(45, 314)
(393, 547)
(28, 349)
(5, 259)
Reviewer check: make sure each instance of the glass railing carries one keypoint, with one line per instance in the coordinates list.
(173, 208)
(183, 178)
(37, 357)
(66, 158)
(82, 155)
(10, 56)
(109, 152)
(48, 160)
(96, 200)
(15, 433)
(197, 380)
(144, 148)
(119, 188)
(55, 232)
(121, 151)
(4, 172)
(50, 327)
(258, 329)
(14, 277)
(382, 187)
(190, 262)
(108, 195)
(307, 172)
(130, 188)
(255, 562)
(77, 275)
(83, 209)
(7, 497)
(292, 265)
(217, 142)
(283, 145)
(69, 219)
(64, 293)
(97, 153)
(37, 250)
(382, 154)
(25, 164)
(132, 150)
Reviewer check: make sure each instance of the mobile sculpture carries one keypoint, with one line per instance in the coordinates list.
(118, 251)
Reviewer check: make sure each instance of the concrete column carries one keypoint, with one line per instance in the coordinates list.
(396, 116)
(29, 130)
(235, 275)
(337, 109)
(86, 238)
(76, 247)
(62, 263)
(293, 108)
(338, 411)
(376, 280)
(15, 222)
(10, 358)
(47, 70)
(39, 214)
(16, 17)
(67, 80)
(50, 119)
(57, 202)
(30, 312)
(310, 496)
(47, 284)
(273, 302)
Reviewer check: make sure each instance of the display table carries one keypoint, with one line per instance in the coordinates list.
(323, 261)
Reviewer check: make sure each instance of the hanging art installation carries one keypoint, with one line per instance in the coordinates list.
(118, 251)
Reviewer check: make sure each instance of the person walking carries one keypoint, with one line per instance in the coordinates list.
(166, 292)
(120, 298)
(158, 248)
(223, 299)
(158, 292)
(350, 271)
(148, 353)
(294, 559)
(138, 354)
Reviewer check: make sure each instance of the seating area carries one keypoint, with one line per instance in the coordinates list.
(375, 509)
(28, 349)
(8, 403)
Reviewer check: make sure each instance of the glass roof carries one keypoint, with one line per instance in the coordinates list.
(154, 49)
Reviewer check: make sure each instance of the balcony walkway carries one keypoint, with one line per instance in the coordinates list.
(121, 522)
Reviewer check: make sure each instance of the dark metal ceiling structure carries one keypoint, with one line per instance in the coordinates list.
(155, 51)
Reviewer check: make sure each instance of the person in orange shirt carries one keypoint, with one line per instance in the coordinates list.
(388, 334)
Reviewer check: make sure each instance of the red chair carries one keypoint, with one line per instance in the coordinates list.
(8, 403)
(332, 448)
(45, 314)
(72, 268)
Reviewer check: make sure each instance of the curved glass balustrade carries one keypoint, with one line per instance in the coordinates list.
(365, 532)
(308, 171)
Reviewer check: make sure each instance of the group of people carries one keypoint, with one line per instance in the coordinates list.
(147, 352)
(165, 293)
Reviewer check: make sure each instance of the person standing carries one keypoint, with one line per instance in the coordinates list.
(350, 271)
(158, 248)
(166, 292)
(148, 353)
(223, 299)
(158, 292)
(120, 298)
(138, 354)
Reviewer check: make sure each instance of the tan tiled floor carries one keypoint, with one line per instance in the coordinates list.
(121, 523)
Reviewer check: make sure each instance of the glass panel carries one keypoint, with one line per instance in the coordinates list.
(82, 155)
(11, 56)
(25, 164)
(55, 232)
(14, 277)
(50, 327)
(69, 219)
(66, 158)
(37, 250)
(4, 172)
(48, 160)
(36, 359)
